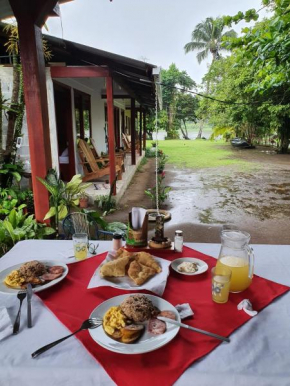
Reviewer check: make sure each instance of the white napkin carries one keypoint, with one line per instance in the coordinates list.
(184, 310)
(246, 305)
(155, 284)
(138, 215)
(6, 327)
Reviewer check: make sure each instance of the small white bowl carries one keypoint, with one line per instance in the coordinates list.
(202, 266)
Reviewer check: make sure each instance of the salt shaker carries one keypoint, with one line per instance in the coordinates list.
(178, 241)
(117, 241)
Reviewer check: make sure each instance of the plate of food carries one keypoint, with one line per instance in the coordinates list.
(189, 266)
(132, 271)
(130, 324)
(41, 274)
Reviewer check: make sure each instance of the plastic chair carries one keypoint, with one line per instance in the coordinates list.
(79, 222)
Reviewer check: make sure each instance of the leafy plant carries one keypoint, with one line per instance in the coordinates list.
(11, 171)
(106, 204)
(161, 162)
(19, 226)
(95, 217)
(163, 191)
(62, 196)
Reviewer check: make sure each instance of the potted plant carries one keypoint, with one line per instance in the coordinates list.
(83, 200)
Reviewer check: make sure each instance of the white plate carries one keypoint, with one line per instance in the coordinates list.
(202, 266)
(154, 284)
(12, 291)
(147, 342)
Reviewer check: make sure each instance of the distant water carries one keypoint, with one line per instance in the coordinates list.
(192, 135)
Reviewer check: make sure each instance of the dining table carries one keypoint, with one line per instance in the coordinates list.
(258, 353)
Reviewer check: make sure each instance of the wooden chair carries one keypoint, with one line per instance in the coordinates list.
(93, 168)
(127, 143)
(119, 156)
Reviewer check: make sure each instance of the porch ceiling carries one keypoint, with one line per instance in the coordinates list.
(6, 10)
(132, 75)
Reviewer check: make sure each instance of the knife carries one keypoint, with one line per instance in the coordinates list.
(193, 328)
(29, 296)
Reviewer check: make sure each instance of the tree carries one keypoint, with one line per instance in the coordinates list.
(265, 49)
(207, 37)
(186, 107)
(171, 80)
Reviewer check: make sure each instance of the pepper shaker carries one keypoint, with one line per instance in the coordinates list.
(178, 241)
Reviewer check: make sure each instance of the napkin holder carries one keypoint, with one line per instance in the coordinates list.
(137, 237)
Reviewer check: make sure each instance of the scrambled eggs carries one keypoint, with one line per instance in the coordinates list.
(113, 320)
(14, 279)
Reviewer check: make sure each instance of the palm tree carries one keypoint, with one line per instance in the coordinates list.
(207, 37)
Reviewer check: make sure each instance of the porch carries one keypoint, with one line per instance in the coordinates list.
(102, 188)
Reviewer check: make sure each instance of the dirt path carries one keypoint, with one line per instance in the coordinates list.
(255, 199)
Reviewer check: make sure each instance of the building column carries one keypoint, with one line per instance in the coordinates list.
(140, 133)
(133, 128)
(111, 131)
(35, 93)
(144, 129)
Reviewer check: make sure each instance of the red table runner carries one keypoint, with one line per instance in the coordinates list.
(72, 303)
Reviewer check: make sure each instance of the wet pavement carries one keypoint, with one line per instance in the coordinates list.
(255, 199)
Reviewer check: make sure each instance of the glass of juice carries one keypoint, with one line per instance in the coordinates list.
(220, 284)
(80, 242)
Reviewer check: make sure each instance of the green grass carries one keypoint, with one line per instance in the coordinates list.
(198, 154)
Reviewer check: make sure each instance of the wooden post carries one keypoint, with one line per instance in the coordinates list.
(35, 93)
(111, 131)
(144, 129)
(140, 133)
(133, 147)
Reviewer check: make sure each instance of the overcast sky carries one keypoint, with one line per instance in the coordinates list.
(151, 30)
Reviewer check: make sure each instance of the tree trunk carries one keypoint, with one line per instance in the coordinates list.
(284, 136)
(12, 114)
(200, 129)
(184, 132)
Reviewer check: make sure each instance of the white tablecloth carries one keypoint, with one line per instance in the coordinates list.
(257, 355)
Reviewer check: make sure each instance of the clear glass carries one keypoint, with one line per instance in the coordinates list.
(80, 242)
(220, 284)
(236, 255)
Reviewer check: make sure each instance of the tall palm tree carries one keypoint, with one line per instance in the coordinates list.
(207, 37)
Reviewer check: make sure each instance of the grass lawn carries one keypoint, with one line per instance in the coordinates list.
(198, 154)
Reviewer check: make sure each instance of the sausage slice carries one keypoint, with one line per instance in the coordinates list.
(156, 326)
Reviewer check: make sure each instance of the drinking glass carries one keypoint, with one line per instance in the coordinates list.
(221, 279)
(80, 242)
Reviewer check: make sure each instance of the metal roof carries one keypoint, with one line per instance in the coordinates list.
(133, 75)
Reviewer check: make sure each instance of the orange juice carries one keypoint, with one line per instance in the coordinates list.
(220, 288)
(240, 272)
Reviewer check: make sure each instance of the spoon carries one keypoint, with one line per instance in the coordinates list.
(87, 324)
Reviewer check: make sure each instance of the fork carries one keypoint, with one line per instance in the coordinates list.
(87, 324)
(21, 296)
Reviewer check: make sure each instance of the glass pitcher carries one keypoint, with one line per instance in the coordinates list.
(236, 254)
